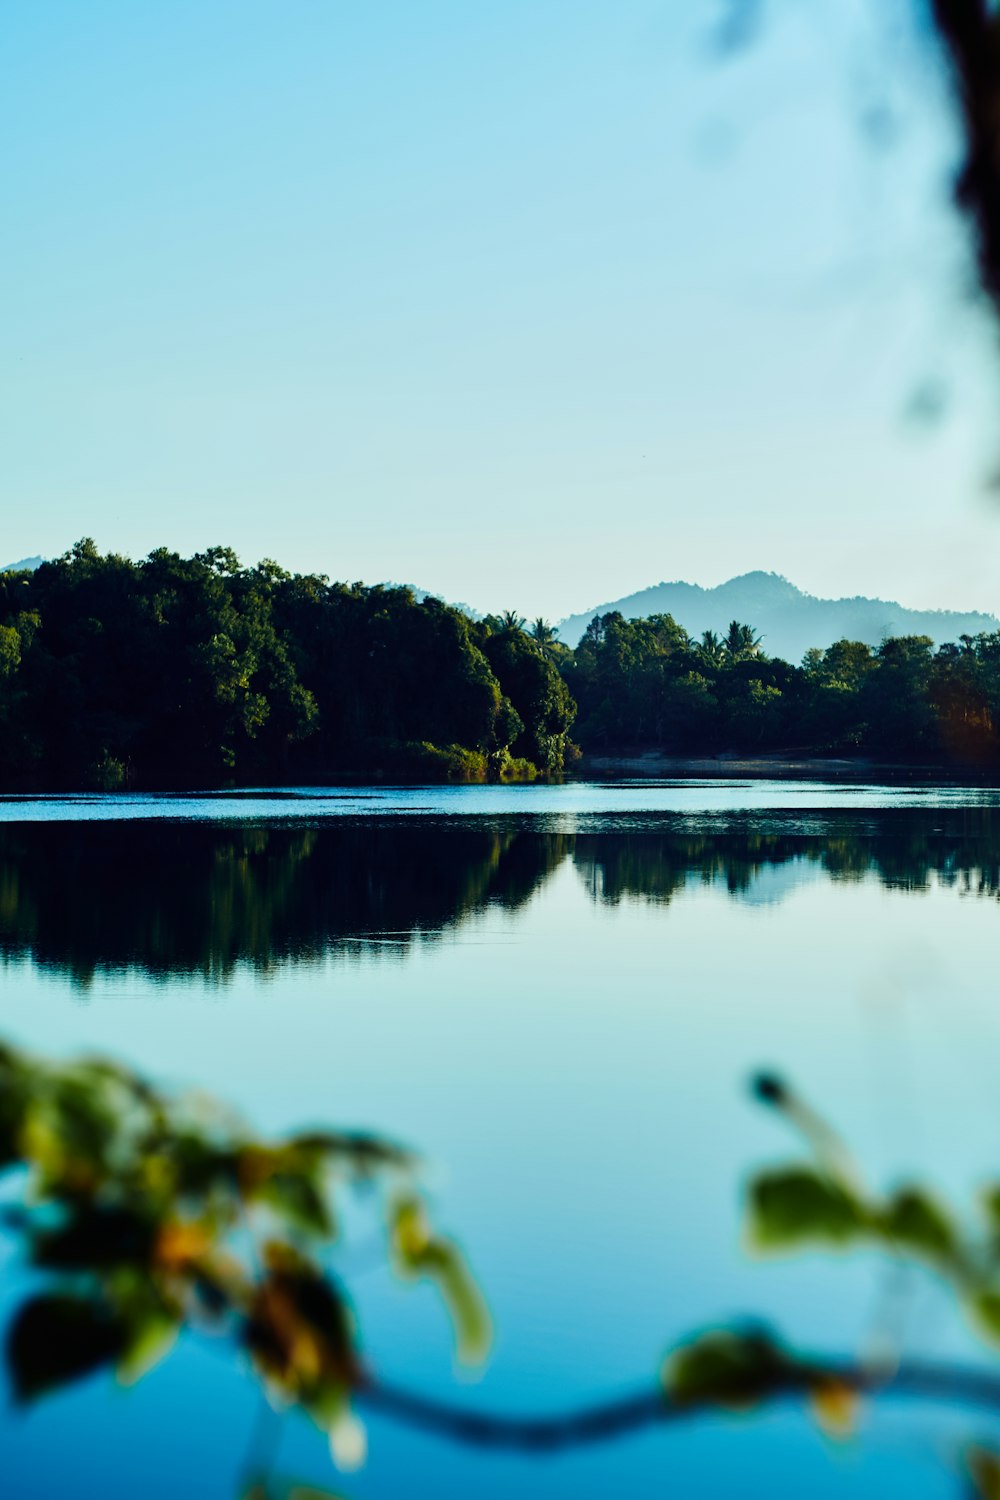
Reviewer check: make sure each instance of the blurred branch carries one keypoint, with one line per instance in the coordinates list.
(970, 33)
(931, 1381)
(147, 1215)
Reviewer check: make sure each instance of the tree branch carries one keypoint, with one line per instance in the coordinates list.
(922, 1380)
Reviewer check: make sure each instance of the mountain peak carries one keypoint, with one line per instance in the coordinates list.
(770, 585)
(789, 620)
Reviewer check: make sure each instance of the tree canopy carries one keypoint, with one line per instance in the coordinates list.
(174, 672)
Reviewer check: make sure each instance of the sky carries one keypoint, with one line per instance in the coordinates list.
(531, 305)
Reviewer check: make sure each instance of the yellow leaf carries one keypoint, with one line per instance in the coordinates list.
(835, 1407)
(179, 1243)
(150, 1343)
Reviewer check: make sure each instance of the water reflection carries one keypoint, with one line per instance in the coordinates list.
(901, 849)
(200, 899)
(579, 1096)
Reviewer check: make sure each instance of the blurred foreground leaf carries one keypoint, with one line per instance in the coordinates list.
(791, 1207)
(149, 1214)
(725, 1368)
(417, 1251)
(835, 1407)
(984, 1305)
(57, 1339)
(984, 1473)
(913, 1219)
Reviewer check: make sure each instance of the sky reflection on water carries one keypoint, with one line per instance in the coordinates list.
(574, 799)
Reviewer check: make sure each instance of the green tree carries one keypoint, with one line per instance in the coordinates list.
(741, 642)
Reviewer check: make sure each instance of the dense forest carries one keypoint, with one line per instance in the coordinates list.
(177, 671)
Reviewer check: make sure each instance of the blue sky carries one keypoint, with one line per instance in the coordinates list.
(531, 304)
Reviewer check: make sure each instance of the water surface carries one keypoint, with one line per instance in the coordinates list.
(558, 995)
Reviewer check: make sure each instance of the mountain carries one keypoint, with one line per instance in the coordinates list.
(26, 565)
(789, 620)
(421, 594)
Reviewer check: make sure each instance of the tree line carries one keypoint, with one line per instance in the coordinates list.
(646, 683)
(178, 671)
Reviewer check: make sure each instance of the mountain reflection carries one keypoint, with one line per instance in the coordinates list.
(195, 899)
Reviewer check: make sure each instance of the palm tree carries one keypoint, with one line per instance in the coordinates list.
(544, 634)
(712, 649)
(511, 620)
(742, 641)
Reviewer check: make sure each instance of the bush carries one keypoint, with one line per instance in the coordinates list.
(419, 760)
(107, 774)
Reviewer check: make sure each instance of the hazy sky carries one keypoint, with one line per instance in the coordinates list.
(532, 303)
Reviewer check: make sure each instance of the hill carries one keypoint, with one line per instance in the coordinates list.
(789, 620)
(26, 565)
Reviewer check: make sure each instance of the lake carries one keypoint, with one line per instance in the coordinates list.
(558, 995)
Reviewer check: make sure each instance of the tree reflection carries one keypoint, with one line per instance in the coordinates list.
(904, 849)
(197, 899)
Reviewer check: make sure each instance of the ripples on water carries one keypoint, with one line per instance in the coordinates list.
(572, 800)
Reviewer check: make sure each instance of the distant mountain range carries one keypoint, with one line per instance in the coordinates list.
(789, 620)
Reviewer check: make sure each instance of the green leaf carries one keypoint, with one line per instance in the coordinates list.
(57, 1339)
(148, 1340)
(470, 1317)
(364, 1152)
(417, 1251)
(984, 1472)
(724, 1368)
(991, 1207)
(298, 1199)
(199, 1164)
(985, 1308)
(913, 1219)
(794, 1206)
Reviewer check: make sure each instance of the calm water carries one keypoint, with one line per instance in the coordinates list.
(557, 994)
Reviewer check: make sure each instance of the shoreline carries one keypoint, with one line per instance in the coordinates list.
(654, 763)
